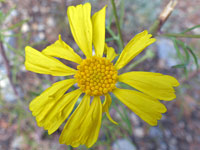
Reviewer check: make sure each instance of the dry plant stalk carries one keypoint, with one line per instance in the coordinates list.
(8, 68)
(167, 11)
(164, 15)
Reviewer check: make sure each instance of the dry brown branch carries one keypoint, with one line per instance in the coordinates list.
(167, 11)
(164, 15)
(190, 76)
(8, 68)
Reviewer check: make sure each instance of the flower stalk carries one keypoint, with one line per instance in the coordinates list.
(121, 43)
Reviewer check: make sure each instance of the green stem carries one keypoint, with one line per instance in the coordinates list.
(111, 33)
(110, 39)
(121, 13)
(190, 29)
(70, 147)
(180, 35)
(121, 44)
(154, 28)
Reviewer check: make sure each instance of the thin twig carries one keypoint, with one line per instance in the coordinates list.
(180, 35)
(190, 76)
(8, 68)
(164, 15)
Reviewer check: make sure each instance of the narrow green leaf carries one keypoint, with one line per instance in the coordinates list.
(190, 29)
(179, 66)
(187, 49)
(1, 16)
(28, 37)
(194, 56)
(180, 56)
(182, 44)
(16, 51)
(114, 36)
(16, 25)
(187, 55)
(8, 13)
(12, 35)
(38, 43)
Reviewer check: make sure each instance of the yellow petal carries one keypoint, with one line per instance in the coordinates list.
(81, 26)
(61, 50)
(60, 111)
(86, 129)
(40, 63)
(154, 84)
(98, 22)
(43, 105)
(106, 106)
(146, 107)
(94, 118)
(71, 130)
(133, 48)
(54, 92)
(110, 52)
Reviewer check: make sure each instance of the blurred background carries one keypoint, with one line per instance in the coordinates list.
(39, 22)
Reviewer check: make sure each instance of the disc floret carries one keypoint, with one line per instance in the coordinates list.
(96, 76)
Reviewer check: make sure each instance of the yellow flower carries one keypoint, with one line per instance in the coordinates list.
(94, 76)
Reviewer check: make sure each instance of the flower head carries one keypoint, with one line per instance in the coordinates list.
(95, 76)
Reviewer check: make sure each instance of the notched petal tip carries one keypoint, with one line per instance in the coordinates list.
(135, 46)
(81, 26)
(27, 48)
(39, 62)
(78, 6)
(153, 40)
(175, 83)
(154, 84)
(145, 32)
(87, 4)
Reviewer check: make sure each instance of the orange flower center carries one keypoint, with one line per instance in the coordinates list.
(96, 76)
